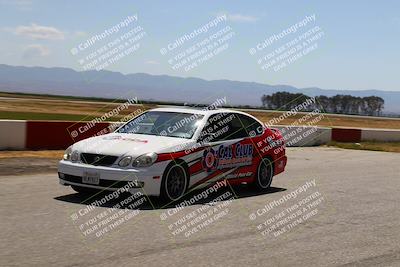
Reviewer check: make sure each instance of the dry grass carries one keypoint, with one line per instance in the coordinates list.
(64, 107)
(48, 154)
(51, 108)
(329, 120)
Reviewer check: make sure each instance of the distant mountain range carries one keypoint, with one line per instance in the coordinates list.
(108, 84)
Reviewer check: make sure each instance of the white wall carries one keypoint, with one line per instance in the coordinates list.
(380, 135)
(12, 134)
(305, 135)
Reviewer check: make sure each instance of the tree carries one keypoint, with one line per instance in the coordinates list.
(342, 104)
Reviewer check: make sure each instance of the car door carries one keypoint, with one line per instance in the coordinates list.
(229, 149)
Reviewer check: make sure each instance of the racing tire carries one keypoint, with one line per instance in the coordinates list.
(85, 190)
(175, 182)
(264, 175)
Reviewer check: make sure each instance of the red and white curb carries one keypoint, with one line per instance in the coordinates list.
(40, 135)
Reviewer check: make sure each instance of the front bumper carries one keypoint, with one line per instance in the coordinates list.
(113, 179)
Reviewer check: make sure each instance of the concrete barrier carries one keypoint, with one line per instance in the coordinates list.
(305, 135)
(12, 134)
(39, 135)
(60, 134)
(382, 135)
(346, 135)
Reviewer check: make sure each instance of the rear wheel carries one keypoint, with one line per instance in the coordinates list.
(264, 175)
(174, 182)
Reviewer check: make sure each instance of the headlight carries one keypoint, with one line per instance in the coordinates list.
(145, 160)
(75, 155)
(125, 161)
(67, 153)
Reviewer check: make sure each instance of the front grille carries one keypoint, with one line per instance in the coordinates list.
(102, 182)
(98, 159)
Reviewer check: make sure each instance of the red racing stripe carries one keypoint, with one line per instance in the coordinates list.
(196, 168)
(176, 155)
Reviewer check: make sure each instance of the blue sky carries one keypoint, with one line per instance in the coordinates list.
(359, 48)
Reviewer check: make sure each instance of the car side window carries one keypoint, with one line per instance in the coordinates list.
(227, 126)
(251, 126)
(216, 128)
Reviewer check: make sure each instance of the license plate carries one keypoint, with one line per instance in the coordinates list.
(91, 178)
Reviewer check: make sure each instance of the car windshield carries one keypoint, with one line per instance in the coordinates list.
(161, 123)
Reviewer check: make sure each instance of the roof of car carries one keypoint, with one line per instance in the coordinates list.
(201, 110)
(194, 110)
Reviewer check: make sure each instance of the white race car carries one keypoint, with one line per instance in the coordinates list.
(168, 151)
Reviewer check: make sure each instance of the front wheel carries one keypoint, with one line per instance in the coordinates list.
(174, 182)
(264, 175)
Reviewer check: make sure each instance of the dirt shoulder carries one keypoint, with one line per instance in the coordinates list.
(373, 146)
(29, 162)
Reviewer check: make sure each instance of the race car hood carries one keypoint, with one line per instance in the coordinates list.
(120, 144)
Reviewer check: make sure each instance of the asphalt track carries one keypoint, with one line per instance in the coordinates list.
(357, 222)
